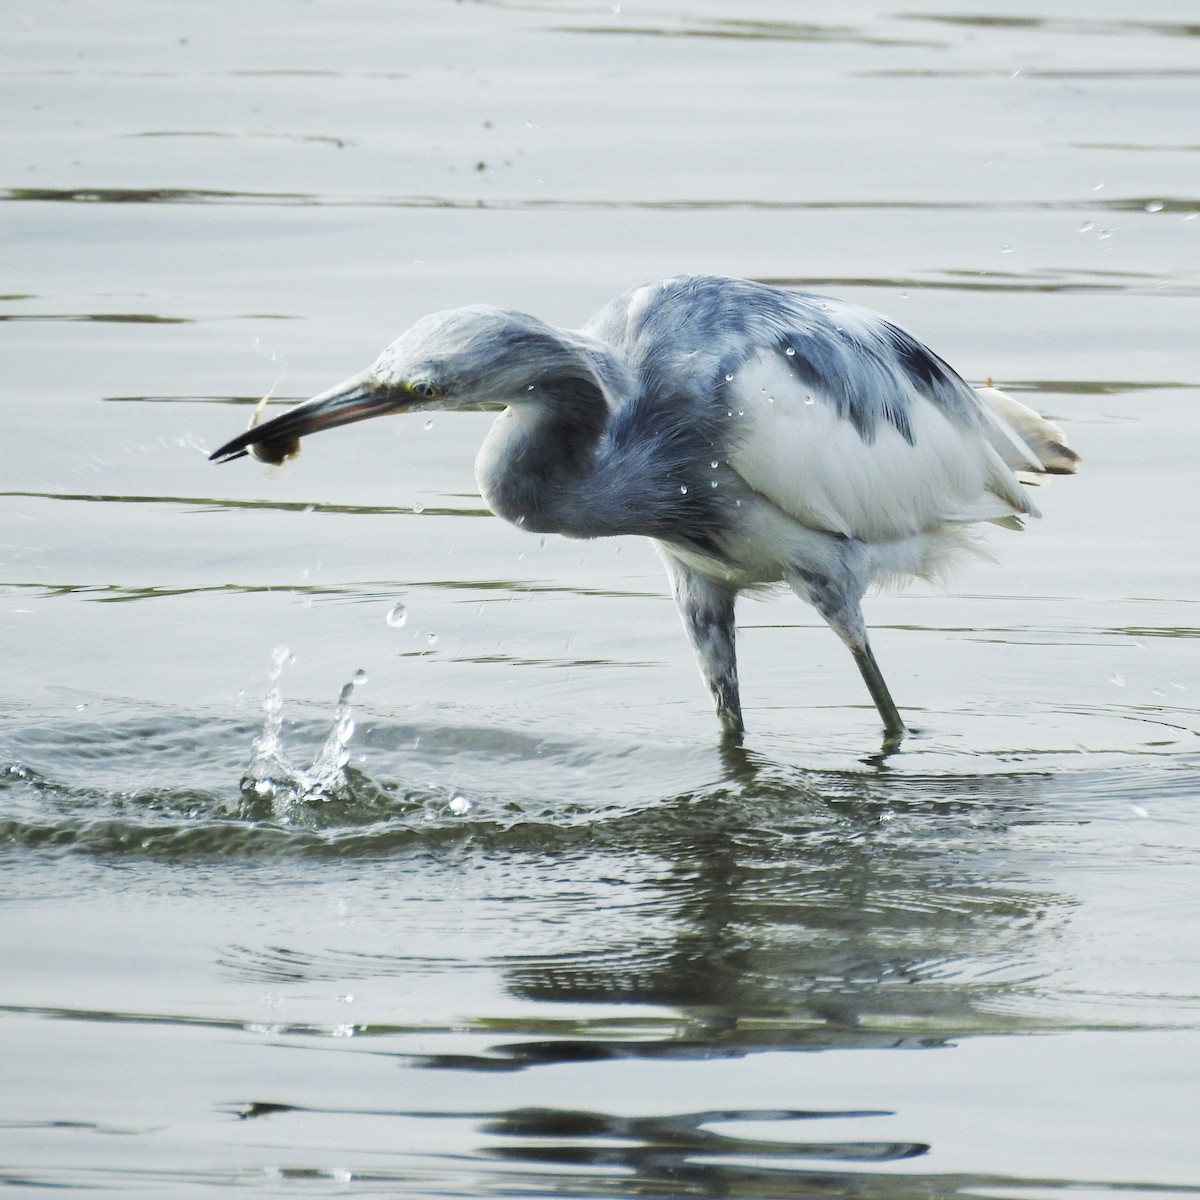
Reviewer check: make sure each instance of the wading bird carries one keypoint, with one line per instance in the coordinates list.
(757, 435)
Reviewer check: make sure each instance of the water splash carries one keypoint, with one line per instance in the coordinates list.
(270, 775)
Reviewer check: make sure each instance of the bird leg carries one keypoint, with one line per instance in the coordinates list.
(834, 600)
(893, 727)
(706, 608)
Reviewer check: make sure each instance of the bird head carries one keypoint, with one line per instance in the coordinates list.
(475, 358)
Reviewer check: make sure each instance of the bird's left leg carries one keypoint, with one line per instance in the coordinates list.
(837, 597)
(706, 607)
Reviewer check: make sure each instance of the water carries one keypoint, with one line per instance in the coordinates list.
(521, 928)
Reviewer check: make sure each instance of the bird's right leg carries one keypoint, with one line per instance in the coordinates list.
(837, 599)
(706, 607)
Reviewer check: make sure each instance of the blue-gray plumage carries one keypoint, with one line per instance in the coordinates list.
(758, 435)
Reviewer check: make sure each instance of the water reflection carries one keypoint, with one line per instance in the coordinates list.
(774, 909)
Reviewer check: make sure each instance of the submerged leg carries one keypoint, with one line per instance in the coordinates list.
(838, 601)
(893, 727)
(706, 608)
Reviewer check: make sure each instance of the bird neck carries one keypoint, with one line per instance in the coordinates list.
(535, 463)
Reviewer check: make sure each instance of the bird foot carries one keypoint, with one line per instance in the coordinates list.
(892, 741)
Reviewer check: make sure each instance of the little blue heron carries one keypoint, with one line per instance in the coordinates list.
(757, 435)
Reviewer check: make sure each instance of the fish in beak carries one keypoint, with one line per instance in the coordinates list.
(355, 400)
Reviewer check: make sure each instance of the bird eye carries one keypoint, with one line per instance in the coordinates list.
(422, 390)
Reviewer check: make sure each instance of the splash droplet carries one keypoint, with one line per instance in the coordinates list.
(428, 425)
(397, 616)
(360, 677)
(459, 804)
(790, 352)
(683, 489)
(1153, 206)
(432, 639)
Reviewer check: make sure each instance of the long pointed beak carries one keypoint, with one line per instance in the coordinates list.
(355, 400)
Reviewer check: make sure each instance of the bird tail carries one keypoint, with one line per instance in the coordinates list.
(1029, 444)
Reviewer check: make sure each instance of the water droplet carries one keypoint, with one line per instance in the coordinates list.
(360, 677)
(728, 378)
(397, 616)
(1138, 810)
(809, 400)
(1006, 249)
(715, 464)
(714, 483)
(432, 639)
(790, 352)
(459, 805)
(770, 399)
(428, 425)
(418, 507)
(520, 520)
(1153, 206)
(683, 489)
(1105, 234)
(1097, 187)
(1119, 680)
(1086, 226)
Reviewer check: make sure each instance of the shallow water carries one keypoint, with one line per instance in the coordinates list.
(543, 937)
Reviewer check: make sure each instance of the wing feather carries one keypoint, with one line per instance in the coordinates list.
(796, 450)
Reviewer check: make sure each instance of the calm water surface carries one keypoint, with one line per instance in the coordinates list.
(541, 937)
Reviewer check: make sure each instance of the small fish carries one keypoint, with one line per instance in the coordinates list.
(273, 452)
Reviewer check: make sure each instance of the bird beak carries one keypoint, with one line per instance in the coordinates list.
(279, 439)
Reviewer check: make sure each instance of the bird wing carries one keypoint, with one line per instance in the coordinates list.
(838, 417)
(800, 447)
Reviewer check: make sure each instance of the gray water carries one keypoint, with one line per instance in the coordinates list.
(537, 935)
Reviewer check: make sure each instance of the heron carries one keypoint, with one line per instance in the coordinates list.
(758, 435)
